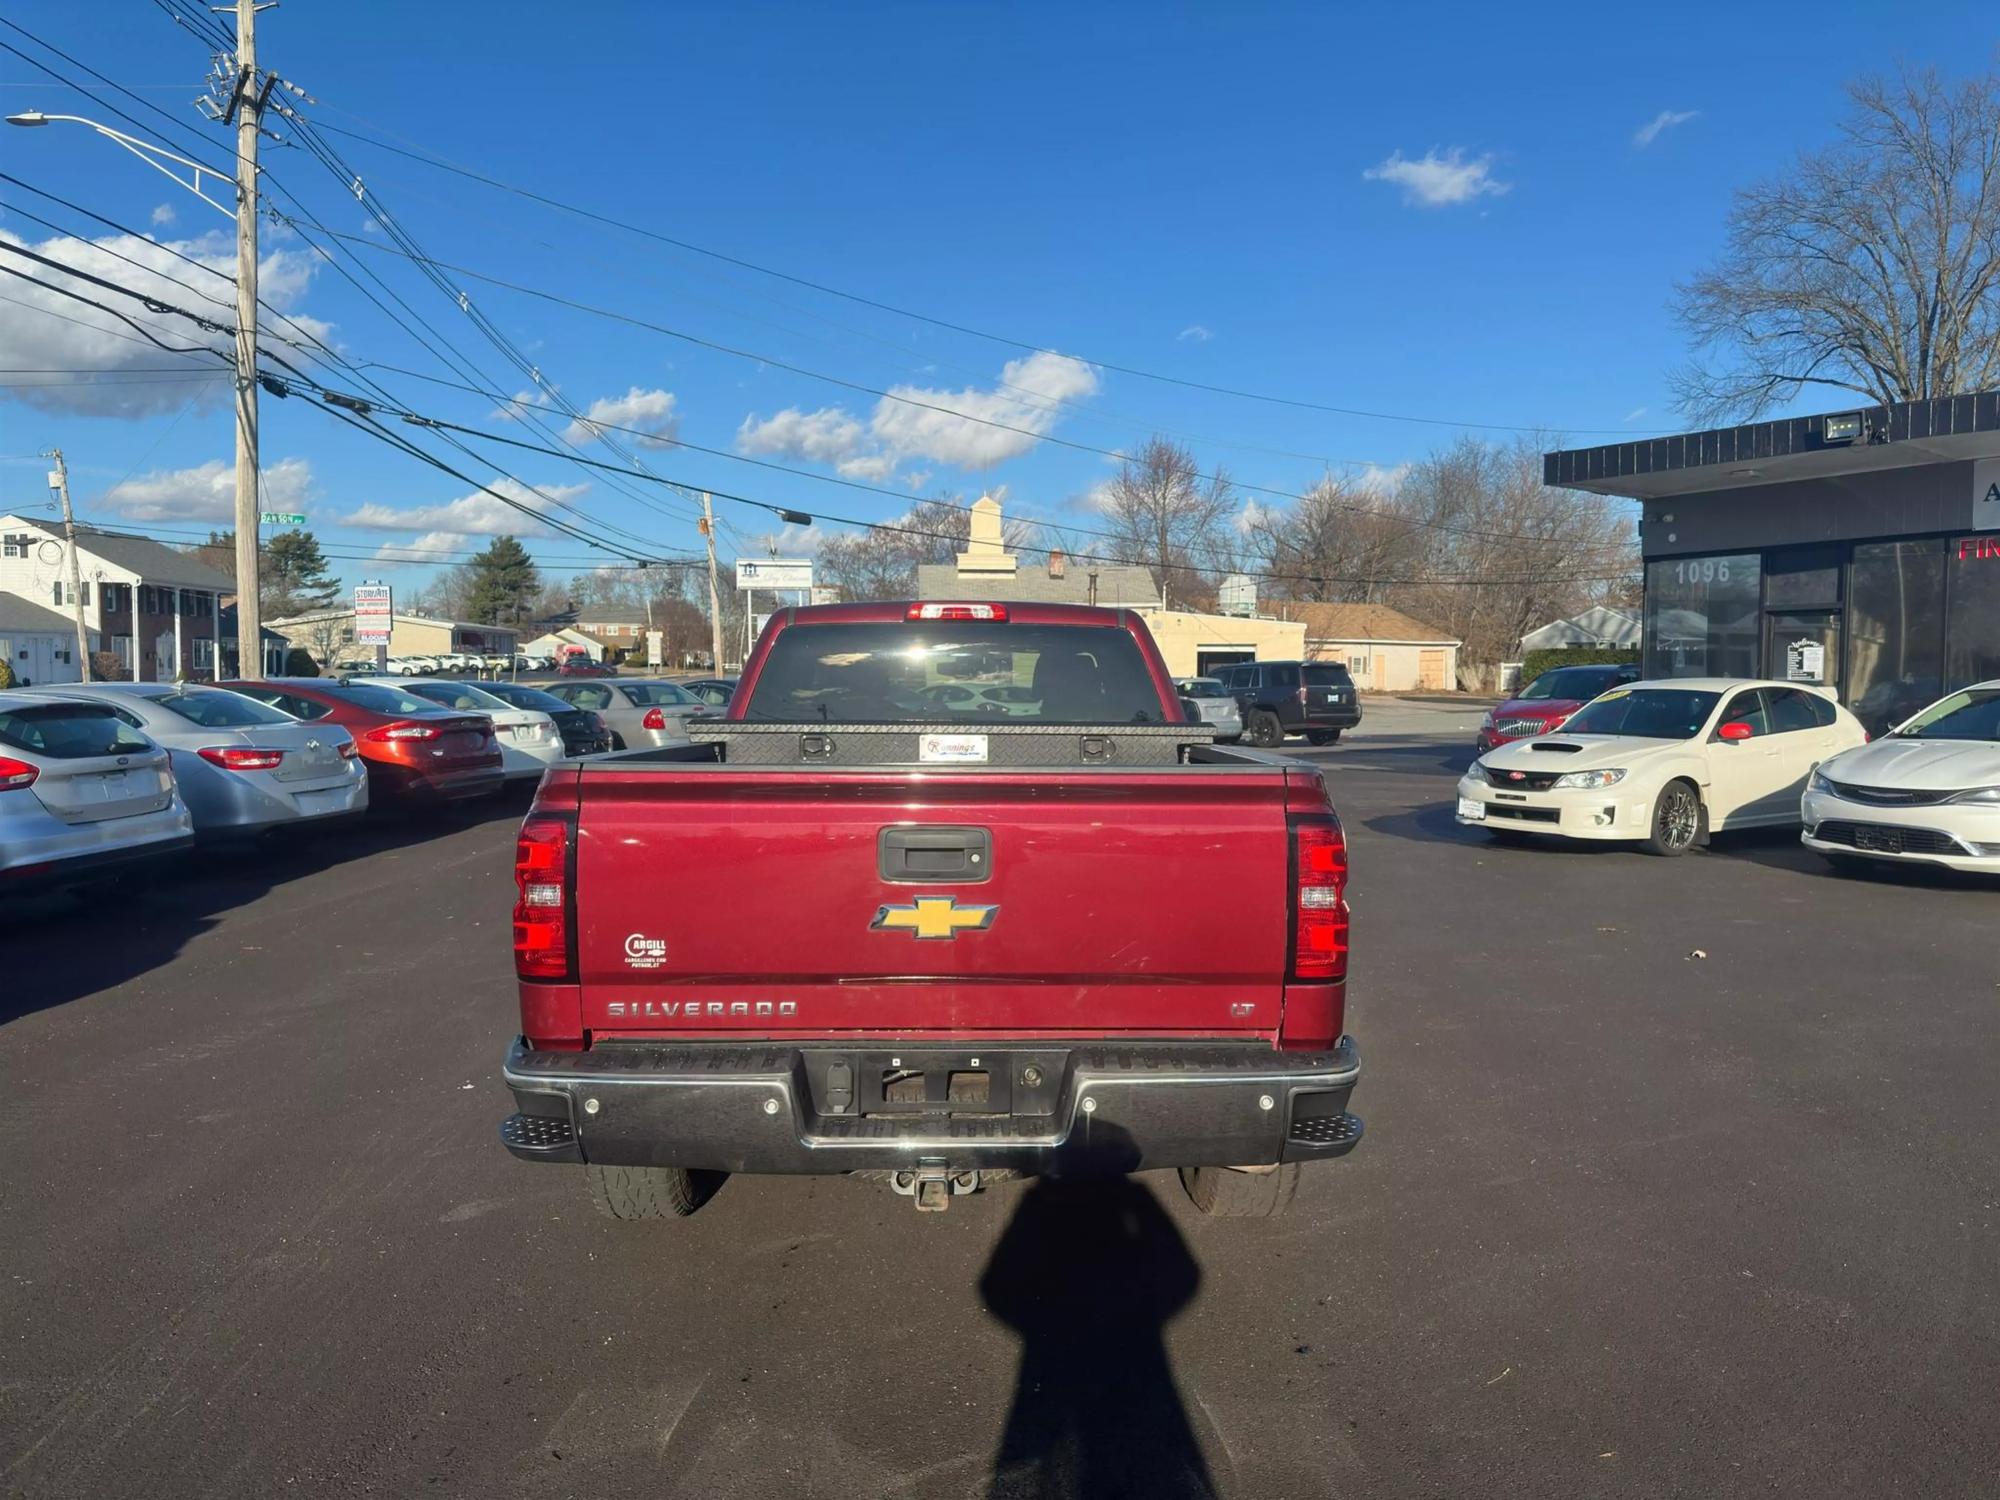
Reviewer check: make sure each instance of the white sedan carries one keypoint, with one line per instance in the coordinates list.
(1928, 791)
(1662, 764)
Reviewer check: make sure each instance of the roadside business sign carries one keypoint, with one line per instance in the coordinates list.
(374, 613)
(774, 573)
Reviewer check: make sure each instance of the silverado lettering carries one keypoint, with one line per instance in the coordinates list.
(1168, 987)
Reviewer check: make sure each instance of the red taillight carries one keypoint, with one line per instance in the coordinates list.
(541, 902)
(16, 774)
(240, 758)
(654, 719)
(404, 729)
(348, 749)
(996, 612)
(1319, 941)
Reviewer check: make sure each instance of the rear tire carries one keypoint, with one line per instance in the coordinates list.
(1225, 1194)
(1676, 820)
(1323, 736)
(649, 1192)
(1265, 731)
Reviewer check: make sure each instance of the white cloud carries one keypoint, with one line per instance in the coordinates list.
(1096, 500)
(825, 436)
(1436, 181)
(477, 514)
(1664, 121)
(163, 216)
(207, 492)
(126, 375)
(425, 548)
(1376, 477)
(1194, 332)
(1252, 516)
(650, 413)
(921, 423)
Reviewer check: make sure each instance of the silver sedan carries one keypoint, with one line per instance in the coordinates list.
(1216, 705)
(242, 766)
(640, 712)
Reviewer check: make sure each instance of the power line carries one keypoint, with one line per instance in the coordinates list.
(350, 408)
(1022, 345)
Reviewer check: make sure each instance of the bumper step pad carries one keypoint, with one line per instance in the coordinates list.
(539, 1138)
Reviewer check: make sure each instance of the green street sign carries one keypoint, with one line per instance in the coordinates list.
(279, 518)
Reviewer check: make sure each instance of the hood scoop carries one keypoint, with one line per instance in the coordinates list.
(1555, 747)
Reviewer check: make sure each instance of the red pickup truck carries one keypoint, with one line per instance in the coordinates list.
(937, 938)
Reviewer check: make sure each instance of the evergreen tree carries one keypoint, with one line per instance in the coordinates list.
(294, 576)
(504, 584)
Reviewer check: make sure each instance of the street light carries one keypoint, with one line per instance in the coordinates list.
(246, 109)
(153, 156)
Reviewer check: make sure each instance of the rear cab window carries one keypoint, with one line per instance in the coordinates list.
(219, 710)
(70, 731)
(892, 672)
(1326, 674)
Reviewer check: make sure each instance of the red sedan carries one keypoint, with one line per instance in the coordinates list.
(583, 666)
(415, 751)
(1543, 705)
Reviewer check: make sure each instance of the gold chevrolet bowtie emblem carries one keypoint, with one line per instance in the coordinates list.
(934, 917)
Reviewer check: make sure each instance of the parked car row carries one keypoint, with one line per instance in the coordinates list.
(447, 663)
(1665, 763)
(94, 776)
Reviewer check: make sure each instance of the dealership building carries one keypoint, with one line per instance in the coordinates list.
(1858, 549)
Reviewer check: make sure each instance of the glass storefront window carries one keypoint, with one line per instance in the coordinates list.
(1972, 649)
(1702, 616)
(1895, 631)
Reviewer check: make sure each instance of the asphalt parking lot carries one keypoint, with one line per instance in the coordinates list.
(1679, 1180)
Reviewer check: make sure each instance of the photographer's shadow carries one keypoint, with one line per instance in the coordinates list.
(1089, 1273)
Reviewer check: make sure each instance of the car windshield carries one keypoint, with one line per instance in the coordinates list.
(659, 694)
(1203, 687)
(212, 709)
(1577, 684)
(459, 695)
(1962, 716)
(1646, 713)
(377, 700)
(69, 731)
(892, 672)
(527, 697)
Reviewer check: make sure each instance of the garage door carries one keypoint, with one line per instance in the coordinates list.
(1430, 670)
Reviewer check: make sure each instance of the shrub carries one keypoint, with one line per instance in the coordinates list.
(299, 663)
(106, 667)
(6, 674)
(1537, 662)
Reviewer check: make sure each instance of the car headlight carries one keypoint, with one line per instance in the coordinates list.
(1585, 780)
(1984, 796)
(1488, 721)
(1477, 772)
(1819, 783)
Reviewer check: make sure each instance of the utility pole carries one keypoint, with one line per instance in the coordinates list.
(59, 482)
(247, 106)
(714, 598)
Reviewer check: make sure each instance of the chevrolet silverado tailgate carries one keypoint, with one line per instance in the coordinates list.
(1084, 901)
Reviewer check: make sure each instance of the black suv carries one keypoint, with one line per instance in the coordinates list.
(1313, 698)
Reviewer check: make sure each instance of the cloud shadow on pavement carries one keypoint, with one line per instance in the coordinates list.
(1089, 1274)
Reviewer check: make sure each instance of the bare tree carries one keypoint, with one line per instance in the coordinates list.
(1871, 267)
(882, 564)
(1341, 543)
(1172, 517)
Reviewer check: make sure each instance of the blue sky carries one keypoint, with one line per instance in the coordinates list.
(1462, 219)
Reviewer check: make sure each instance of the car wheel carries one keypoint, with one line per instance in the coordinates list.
(1224, 1193)
(1265, 730)
(1323, 736)
(617, 742)
(650, 1192)
(1676, 820)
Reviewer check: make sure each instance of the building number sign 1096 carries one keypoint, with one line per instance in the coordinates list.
(1702, 570)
